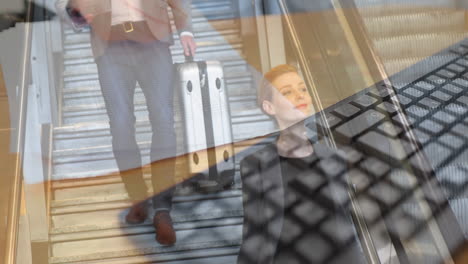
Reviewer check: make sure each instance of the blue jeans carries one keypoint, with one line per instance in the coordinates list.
(123, 64)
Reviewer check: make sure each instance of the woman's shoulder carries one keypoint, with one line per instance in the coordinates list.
(263, 153)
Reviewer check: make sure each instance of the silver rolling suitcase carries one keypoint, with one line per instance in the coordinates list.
(207, 124)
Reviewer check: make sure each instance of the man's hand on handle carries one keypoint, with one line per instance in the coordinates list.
(189, 45)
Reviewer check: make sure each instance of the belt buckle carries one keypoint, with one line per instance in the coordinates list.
(129, 28)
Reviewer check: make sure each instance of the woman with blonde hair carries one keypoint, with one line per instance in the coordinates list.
(283, 203)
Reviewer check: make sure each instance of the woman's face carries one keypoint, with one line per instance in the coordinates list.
(291, 101)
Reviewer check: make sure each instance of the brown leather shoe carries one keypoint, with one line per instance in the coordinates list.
(138, 213)
(165, 233)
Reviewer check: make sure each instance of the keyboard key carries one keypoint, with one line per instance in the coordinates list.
(461, 159)
(346, 110)
(384, 146)
(313, 240)
(452, 88)
(421, 137)
(408, 147)
(451, 140)
(429, 103)
(463, 100)
(339, 228)
(462, 82)
(460, 50)
(381, 92)
(454, 175)
(291, 231)
(461, 130)
(331, 167)
(436, 154)
(322, 150)
(402, 179)
(387, 107)
(401, 224)
(336, 193)
(425, 85)
(456, 109)
(420, 163)
(444, 117)
(411, 120)
(349, 154)
(433, 192)
(309, 212)
(403, 99)
(441, 96)
(365, 101)
(431, 126)
(385, 193)
(446, 74)
(332, 120)
(462, 62)
(417, 111)
(370, 209)
(436, 79)
(389, 129)
(312, 182)
(358, 179)
(414, 92)
(455, 68)
(375, 167)
(359, 124)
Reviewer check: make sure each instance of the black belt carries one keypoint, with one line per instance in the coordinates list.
(136, 31)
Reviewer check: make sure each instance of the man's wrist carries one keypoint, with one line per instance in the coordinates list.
(186, 33)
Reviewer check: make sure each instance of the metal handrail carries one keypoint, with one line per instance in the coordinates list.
(14, 206)
(370, 250)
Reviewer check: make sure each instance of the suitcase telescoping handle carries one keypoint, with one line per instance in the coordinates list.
(188, 58)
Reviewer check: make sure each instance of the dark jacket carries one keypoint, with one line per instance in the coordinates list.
(263, 198)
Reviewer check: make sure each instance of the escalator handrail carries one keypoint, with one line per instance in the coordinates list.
(17, 179)
(369, 248)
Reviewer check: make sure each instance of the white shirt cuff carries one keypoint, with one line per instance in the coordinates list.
(186, 33)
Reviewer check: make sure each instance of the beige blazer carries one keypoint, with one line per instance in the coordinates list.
(156, 14)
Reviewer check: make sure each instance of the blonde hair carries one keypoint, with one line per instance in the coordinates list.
(265, 89)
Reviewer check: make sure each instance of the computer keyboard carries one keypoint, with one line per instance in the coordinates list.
(402, 168)
(394, 168)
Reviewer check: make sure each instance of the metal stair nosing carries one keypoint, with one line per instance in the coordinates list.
(406, 24)
(200, 256)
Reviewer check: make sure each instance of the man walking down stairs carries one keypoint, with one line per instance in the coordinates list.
(129, 46)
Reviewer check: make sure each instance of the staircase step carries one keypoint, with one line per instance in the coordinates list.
(84, 96)
(116, 225)
(246, 146)
(104, 216)
(385, 9)
(226, 255)
(99, 137)
(97, 113)
(410, 64)
(418, 70)
(99, 161)
(230, 64)
(416, 23)
(95, 103)
(420, 45)
(142, 244)
(432, 3)
(223, 50)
